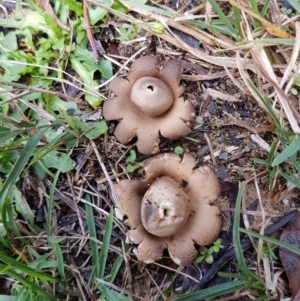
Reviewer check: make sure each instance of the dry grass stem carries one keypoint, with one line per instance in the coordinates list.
(75, 204)
(178, 271)
(261, 142)
(202, 77)
(111, 185)
(123, 67)
(212, 156)
(263, 128)
(293, 59)
(262, 229)
(221, 95)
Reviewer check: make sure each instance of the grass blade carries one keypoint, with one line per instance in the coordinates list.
(235, 229)
(106, 243)
(238, 20)
(60, 260)
(287, 152)
(295, 4)
(257, 24)
(290, 178)
(265, 8)
(224, 18)
(20, 164)
(25, 269)
(93, 236)
(50, 204)
(27, 283)
(112, 295)
(271, 240)
(215, 291)
(115, 269)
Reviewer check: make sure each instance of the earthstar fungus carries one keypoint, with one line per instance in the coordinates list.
(171, 208)
(149, 103)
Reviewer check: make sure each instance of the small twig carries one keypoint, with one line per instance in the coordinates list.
(123, 67)
(228, 149)
(221, 95)
(91, 90)
(114, 194)
(244, 209)
(75, 203)
(263, 128)
(213, 159)
(116, 288)
(89, 32)
(262, 229)
(261, 142)
(37, 89)
(197, 77)
(4, 10)
(158, 288)
(176, 271)
(292, 64)
(80, 282)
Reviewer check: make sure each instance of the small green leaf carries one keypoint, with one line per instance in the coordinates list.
(94, 129)
(6, 161)
(210, 250)
(130, 168)
(21, 205)
(74, 6)
(131, 157)
(218, 242)
(97, 14)
(209, 259)
(178, 150)
(91, 129)
(87, 59)
(216, 249)
(58, 160)
(9, 42)
(294, 91)
(200, 259)
(90, 84)
(297, 80)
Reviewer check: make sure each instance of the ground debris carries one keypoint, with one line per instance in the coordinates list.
(290, 260)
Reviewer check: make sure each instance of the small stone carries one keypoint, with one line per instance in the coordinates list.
(285, 201)
(199, 119)
(223, 155)
(221, 172)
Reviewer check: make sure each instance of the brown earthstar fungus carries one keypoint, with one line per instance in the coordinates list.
(149, 103)
(172, 208)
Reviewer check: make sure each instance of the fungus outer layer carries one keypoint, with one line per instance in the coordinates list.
(197, 186)
(149, 104)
